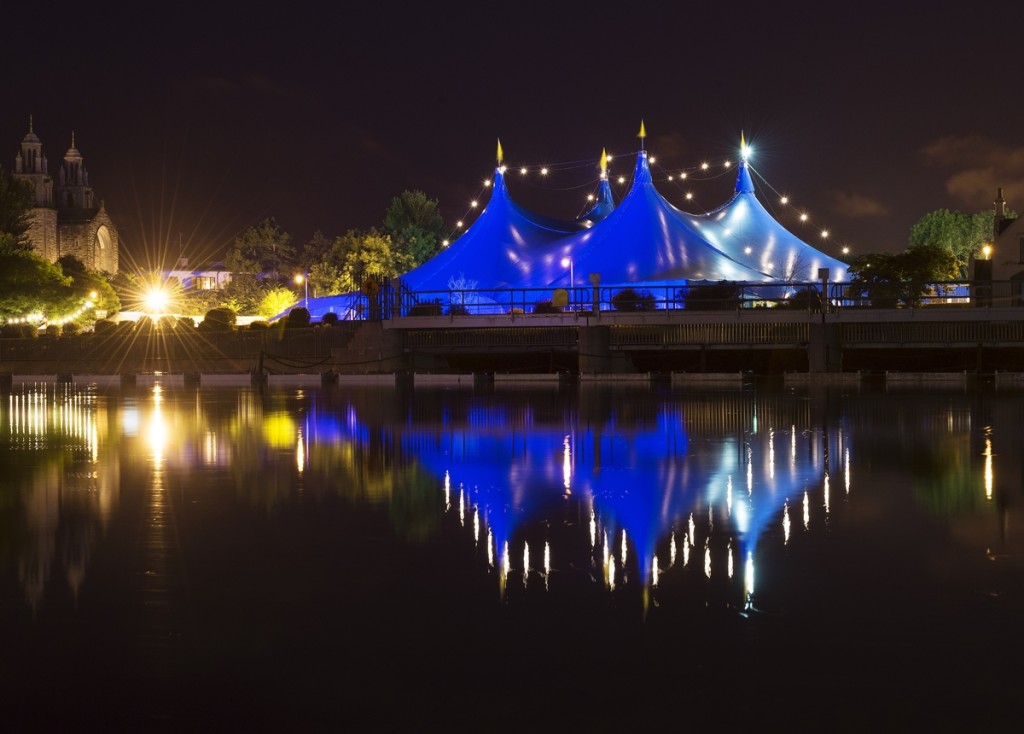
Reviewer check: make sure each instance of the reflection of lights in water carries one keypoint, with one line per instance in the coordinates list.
(785, 522)
(300, 453)
(846, 471)
(707, 559)
(728, 494)
(753, 423)
(447, 491)
(547, 557)
(654, 571)
(526, 561)
(566, 466)
(686, 550)
(210, 448)
(692, 530)
(476, 527)
(672, 550)
(988, 466)
(156, 434)
(506, 564)
(807, 510)
(593, 529)
(771, 454)
(825, 489)
(792, 447)
(748, 578)
(490, 549)
(750, 470)
(623, 559)
(730, 559)
(462, 506)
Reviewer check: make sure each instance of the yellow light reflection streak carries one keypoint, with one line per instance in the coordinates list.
(988, 468)
(846, 471)
(447, 491)
(300, 453)
(807, 510)
(566, 466)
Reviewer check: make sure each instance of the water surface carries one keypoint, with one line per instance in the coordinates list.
(533, 559)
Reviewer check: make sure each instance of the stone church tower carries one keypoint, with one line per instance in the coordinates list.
(66, 219)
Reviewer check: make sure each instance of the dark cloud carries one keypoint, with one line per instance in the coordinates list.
(978, 167)
(856, 206)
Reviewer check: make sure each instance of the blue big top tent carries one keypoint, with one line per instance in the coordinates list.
(645, 240)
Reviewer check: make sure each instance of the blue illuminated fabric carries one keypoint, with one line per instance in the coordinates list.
(604, 205)
(505, 245)
(744, 231)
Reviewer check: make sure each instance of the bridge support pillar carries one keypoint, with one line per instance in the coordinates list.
(824, 351)
(594, 352)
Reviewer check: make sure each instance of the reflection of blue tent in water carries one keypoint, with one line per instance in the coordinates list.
(644, 240)
(510, 477)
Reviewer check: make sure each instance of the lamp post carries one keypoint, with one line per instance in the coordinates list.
(567, 263)
(301, 279)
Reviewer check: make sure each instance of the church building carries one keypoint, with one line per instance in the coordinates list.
(66, 219)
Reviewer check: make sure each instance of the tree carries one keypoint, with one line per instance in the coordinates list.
(263, 248)
(315, 252)
(16, 202)
(276, 301)
(31, 285)
(958, 233)
(415, 225)
(85, 283)
(359, 255)
(890, 279)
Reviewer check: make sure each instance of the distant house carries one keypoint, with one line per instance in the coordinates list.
(209, 277)
(1006, 261)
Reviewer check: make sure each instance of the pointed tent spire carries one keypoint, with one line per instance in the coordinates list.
(604, 163)
(501, 155)
(744, 183)
(642, 134)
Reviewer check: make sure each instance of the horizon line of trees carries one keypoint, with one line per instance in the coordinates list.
(264, 262)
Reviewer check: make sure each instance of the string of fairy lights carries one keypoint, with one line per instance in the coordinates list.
(684, 180)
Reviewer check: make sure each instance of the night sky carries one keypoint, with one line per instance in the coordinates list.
(196, 122)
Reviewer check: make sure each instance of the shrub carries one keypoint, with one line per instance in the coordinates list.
(104, 326)
(457, 309)
(630, 300)
(71, 328)
(221, 318)
(721, 296)
(329, 319)
(53, 330)
(546, 307)
(297, 318)
(426, 309)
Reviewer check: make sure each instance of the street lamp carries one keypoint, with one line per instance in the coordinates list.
(301, 279)
(567, 263)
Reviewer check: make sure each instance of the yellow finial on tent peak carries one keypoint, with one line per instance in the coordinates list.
(604, 162)
(643, 132)
(744, 148)
(501, 155)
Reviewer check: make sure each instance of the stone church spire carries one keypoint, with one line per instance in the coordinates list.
(30, 165)
(73, 190)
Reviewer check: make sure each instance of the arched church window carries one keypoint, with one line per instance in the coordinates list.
(103, 237)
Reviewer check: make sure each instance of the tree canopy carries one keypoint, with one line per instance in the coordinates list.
(902, 277)
(263, 248)
(16, 201)
(415, 226)
(958, 233)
